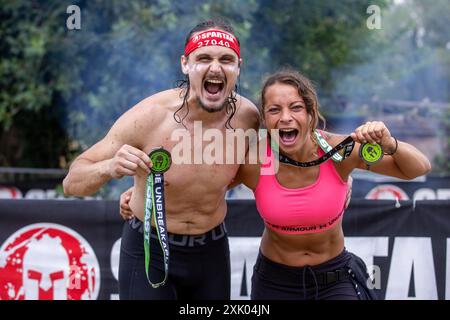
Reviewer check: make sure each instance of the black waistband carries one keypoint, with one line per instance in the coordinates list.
(184, 240)
(324, 274)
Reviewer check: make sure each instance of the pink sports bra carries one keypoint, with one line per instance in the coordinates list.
(311, 209)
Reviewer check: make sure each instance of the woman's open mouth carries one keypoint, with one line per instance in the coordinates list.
(213, 88)
(288, 136)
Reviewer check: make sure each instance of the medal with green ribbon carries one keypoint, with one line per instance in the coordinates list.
(371, 153)
(154, 205)
(331, 153)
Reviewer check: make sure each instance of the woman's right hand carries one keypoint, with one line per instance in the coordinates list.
(125, 209)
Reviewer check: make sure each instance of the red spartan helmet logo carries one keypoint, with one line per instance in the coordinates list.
(48, 262)
(387, 192)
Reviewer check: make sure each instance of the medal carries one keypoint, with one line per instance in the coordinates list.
(161, 160)
(371, 153)
(154, 207)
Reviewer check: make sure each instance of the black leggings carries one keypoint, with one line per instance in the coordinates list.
(341, 278)
(199, 266)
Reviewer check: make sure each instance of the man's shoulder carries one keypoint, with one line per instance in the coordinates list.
(247, 111)
(246, 105)
(160, 101)
(150, 111)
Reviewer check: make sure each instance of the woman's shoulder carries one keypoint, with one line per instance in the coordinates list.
(333, 139)
(353, 161)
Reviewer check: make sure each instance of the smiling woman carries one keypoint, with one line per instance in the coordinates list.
(299, 94)
(302, 253)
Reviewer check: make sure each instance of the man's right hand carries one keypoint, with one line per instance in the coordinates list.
(125, 209)
(128, 161)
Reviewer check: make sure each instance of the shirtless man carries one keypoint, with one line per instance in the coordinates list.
(195, 193)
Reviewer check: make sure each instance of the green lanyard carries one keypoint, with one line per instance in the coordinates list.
(347, 144)
(369, 153)
(154, 205)
(325, 146)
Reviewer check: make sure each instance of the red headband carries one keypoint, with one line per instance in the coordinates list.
(212, 38)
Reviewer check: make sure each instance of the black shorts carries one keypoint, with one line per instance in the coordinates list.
(341, 278)
(199, 266)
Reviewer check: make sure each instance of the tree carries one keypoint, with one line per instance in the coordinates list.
(62, 89)
(33, 86)
(65, 88)
(315, 37)
(407, 60)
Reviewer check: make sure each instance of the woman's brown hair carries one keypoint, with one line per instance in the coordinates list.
(305, 89)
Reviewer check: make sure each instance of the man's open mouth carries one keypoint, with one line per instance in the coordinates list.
(287, 136)
(214, 86)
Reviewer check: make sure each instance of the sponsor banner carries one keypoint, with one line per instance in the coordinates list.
(365, 186)
(70, 249)
(24, 191)
(432, 187)
(376, 187)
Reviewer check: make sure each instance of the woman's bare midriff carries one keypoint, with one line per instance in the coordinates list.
(299, 250)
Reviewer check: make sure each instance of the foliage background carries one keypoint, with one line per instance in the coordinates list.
(62, 89)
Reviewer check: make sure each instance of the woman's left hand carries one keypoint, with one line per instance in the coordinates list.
(374, 132)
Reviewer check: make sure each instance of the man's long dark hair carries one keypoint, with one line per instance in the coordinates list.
(230, 108)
